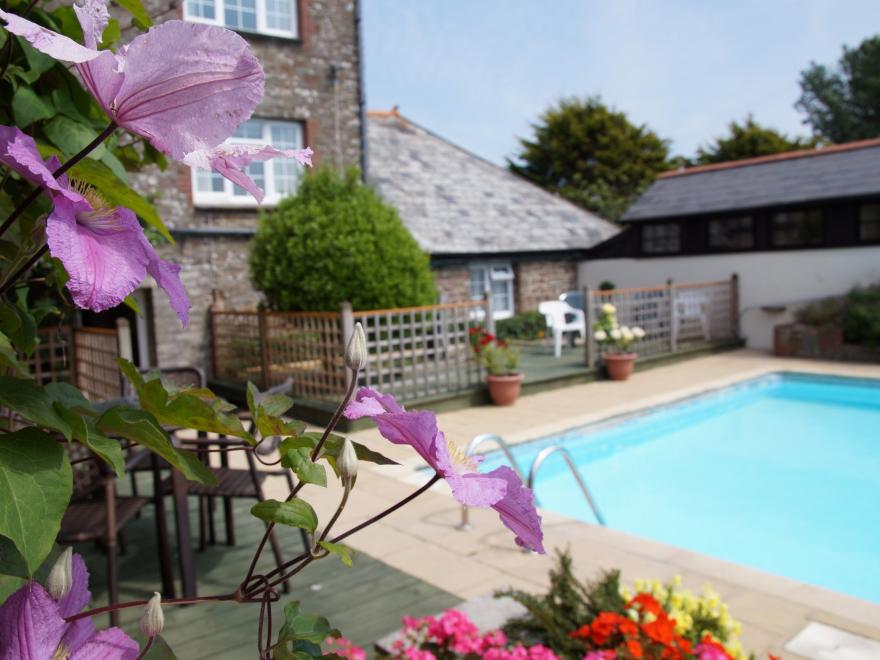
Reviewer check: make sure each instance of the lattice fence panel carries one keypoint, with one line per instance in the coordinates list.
(97, 374)
(418, 352)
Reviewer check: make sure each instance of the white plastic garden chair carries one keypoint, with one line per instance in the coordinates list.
(691, 305)
(554, 312)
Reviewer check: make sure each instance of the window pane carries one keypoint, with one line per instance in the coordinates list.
(249, 130)
(256, 172)
(869, 222)
(286, 136)
(731, 233)
(286, 171)
(501, 298)
(208, 181)
(661, 238)
(478, 283)
(798, 228)
(200, 8)
(241, 14)
(279, 15)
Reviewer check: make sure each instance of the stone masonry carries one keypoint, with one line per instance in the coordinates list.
(536, 281)
(453, 283)
(314, 79)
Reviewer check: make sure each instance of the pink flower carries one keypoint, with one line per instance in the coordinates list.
(103, 248)
(344, 648)
(32, 625)
(231, 159)
(183, 86)
(500, 489)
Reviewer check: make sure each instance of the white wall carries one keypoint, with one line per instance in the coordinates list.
(766, 279)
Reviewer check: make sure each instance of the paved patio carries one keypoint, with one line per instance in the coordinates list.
(422, 539)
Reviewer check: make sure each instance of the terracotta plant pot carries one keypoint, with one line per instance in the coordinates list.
(619, 365)
(504, 390)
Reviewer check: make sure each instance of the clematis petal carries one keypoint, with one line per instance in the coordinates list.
(231, 159)
(79, 595)
(44, 40)
(103, 77)
(78, 633)
(105, 263)
(93, 18)
(167, 276)
(417, 429)
(19, 152)
(187, 86)
(517, 510)
(369, 403)
(30, 624)
(108, 644)
(475, 489)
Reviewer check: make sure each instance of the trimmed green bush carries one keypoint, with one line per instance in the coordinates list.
(857, 314)
(528, 325)
(337, 241)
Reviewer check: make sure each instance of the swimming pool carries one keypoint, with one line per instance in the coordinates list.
(781, 473)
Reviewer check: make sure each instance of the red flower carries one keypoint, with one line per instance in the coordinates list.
(628, 627)
(581, 633)
(604, 626)
(661, 630)
(645, 603)
(635, 648)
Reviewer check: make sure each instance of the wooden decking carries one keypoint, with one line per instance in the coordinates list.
(365, 602)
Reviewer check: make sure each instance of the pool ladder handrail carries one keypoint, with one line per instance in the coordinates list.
(546, 453)
(475, 442)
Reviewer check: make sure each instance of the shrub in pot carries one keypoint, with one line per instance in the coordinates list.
(615, 341)
(500, 361)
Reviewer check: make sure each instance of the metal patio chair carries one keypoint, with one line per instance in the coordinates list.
(97, 513)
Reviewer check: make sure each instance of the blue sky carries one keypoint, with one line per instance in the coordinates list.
(479, 71)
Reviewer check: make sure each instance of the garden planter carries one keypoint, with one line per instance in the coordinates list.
(504, 390)
(619, 365)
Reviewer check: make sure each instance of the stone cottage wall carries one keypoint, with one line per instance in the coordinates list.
(453, 283)
(299, 86)
(537, 281)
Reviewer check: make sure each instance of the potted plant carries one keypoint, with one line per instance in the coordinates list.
(615, 340)
(500, 361)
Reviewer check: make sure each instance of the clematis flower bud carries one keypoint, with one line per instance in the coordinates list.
(61, 576)
(356, 352)
(153, 620)
(347, 463)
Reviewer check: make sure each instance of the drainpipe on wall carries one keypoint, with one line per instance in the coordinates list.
(362, 101)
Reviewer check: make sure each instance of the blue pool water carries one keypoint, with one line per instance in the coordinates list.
(781, 473)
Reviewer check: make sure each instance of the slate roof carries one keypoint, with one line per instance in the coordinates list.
(454, 202)
(845, 170)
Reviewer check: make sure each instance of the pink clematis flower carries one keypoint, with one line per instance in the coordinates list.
(231, 159)
(183, 86)
(32, 625)
(103, 248)
(500, 489)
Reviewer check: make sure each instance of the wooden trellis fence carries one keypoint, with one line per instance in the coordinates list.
(414, 352)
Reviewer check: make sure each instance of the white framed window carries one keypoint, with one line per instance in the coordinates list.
(496, 277)
(274, 17)
(278, 177)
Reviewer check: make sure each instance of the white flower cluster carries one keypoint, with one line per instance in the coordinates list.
(610, 331)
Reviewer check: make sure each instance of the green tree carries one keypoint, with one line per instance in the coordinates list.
(336, 241)
(748, 140)
(592, 155)
(843, 103)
